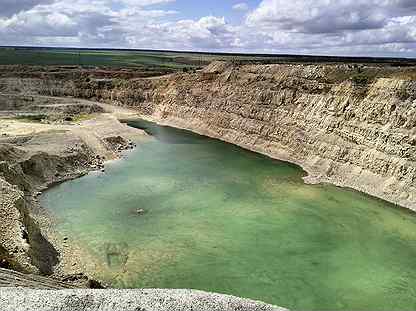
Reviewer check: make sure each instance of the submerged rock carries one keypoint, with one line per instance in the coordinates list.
(140, 211)
(116, 254)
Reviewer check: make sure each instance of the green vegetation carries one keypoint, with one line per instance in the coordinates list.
(36, 118)
(161, 59)
(361, 79)
(82, 117)
(32, 118)
(68, 57)
(403, 94)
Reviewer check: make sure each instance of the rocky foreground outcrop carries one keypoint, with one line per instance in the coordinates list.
(35, 293)
(126, 300)
(13, 279)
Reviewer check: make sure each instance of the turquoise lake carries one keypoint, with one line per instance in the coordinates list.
(187, 211)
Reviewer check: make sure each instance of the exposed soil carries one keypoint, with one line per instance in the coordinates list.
(36, 154)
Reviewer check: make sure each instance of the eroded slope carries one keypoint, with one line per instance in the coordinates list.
(348, 126)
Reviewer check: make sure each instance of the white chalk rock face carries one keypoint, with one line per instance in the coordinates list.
(127, 300)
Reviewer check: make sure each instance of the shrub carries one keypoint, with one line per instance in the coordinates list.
(32, 118)
(403, 94)
(360, 79)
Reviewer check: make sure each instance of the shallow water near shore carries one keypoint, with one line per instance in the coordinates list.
(186, 211)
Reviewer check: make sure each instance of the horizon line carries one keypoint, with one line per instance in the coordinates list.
(266, 55)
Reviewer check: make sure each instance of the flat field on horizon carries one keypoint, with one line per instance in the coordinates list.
(172, 60)
(99, 58)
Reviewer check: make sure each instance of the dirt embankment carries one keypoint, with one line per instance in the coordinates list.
(36, 153)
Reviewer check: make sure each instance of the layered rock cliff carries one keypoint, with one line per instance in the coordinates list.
(351, 126)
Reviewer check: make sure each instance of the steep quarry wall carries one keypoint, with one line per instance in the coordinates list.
(351, 126)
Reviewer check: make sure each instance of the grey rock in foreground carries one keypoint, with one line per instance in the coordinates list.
(19, 299)
(10, 278)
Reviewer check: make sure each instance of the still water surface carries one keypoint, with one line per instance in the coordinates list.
(186, 211)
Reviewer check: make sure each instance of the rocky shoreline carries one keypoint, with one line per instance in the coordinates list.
(36, 156)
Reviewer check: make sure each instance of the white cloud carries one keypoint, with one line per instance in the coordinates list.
(330, 26)
(207, 33)
(10, 7)
(320, 16)
(346, 27)
(242, 6)
(144, 2)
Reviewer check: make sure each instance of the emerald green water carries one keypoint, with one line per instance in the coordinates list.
(222, 219)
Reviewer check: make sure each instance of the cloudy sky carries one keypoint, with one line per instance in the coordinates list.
(341, 27)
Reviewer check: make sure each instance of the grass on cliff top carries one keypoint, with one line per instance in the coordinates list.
(83, 117)
(167, 59)
(68, 57)
(36, 118)
(362, 75)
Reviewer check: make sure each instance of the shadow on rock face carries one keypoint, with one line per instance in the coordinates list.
(44, 256)
(7, 262)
